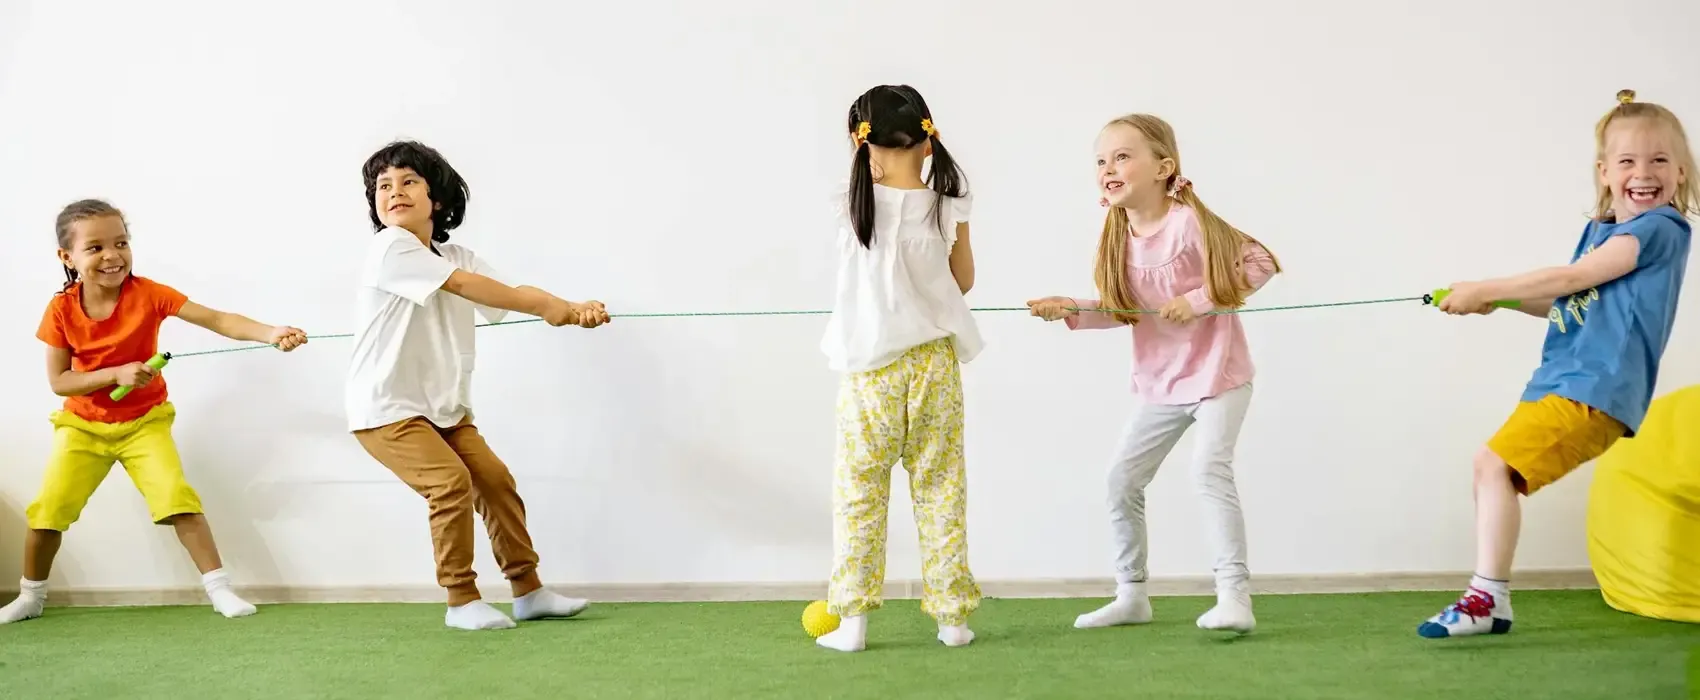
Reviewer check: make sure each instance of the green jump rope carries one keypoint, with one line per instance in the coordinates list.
(158, 362)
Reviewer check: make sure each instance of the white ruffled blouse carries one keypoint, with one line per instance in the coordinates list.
(899, 293)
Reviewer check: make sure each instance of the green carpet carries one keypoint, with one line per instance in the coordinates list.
(1566, 645)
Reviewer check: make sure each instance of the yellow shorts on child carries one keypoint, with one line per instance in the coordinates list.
(83, 454)
(1547, 439)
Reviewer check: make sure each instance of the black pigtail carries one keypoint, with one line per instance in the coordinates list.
(862, 195)
(945, 177)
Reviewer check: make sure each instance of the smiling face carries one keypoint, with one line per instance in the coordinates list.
(1128, 169)
(1638, 166)
(98, 248)
(403, 200)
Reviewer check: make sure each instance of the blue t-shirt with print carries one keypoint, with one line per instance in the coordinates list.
(1603, 344)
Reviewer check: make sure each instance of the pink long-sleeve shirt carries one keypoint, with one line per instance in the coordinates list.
(1177, 364)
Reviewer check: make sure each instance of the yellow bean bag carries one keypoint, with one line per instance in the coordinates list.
(1644, 514)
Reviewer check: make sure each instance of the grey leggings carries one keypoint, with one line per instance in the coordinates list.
(1147, 441)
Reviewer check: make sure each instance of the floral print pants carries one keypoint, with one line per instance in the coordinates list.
(910, 412)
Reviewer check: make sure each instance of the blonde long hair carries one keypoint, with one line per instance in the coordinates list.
(1223, 244)
(1686, 199)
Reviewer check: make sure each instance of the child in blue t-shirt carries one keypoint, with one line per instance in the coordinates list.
(1609, 317)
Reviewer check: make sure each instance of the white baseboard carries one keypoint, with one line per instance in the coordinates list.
(896, 589)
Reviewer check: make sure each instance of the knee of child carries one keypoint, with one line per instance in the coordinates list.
(492, 476)
(454, 488)
(1490, 467)
(1126, 478)
(1121, 485)
(1217, 466)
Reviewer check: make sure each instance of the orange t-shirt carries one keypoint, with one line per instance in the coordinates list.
(130, 334)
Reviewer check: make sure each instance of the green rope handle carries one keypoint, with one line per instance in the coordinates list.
(157, 362)
(817, 312)
(1440, 295)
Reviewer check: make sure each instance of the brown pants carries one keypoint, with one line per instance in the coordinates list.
(458, 474)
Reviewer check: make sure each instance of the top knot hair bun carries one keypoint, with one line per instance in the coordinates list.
(1625, 96)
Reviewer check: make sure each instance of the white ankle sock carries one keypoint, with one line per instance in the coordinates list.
(477, 615)
(851, 635)
(1232, 612)
(1499, 589)
(225, 600)
(543, 603)
(955, 635)
(1132, 606)
(32, 596)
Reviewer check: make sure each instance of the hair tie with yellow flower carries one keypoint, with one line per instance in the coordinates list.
(862, 130)
(927, 126)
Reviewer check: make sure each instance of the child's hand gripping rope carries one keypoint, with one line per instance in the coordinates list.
(138, 374)
(1463, 300)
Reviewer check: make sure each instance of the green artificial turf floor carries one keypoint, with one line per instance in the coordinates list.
(1566, 644)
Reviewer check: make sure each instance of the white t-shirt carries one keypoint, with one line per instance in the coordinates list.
(413, 347)
(899, 293)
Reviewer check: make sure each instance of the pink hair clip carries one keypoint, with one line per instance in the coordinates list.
(1181, 183)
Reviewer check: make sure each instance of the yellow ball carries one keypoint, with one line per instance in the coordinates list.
(817, 620)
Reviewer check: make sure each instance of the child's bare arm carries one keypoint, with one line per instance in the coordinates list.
(962, 259)
(67, 382)
(1537, 289)
(479, 289)
(239, 327)
(1608, 262)
(1539, 308)
(524, 299)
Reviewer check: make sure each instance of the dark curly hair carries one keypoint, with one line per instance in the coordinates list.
(448, 192)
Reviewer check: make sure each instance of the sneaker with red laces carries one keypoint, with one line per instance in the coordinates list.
(1476, 612)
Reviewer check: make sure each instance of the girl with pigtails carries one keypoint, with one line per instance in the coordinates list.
(898, 331)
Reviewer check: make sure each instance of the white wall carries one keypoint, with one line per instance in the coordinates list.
(675, 156)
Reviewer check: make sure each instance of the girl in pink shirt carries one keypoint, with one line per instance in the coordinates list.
(1162, 249)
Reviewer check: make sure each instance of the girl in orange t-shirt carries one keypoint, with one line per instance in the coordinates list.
(100, 331)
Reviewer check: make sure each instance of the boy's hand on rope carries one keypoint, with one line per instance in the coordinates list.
(560, 312)
(287, 338)
(590, 314)
(1178, 310)
(1052, 308)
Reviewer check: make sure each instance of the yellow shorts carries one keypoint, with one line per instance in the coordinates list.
(1547, 439)
(83, 454)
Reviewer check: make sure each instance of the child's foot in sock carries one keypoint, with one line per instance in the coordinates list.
(1485, 608)
(477, 615)
(955, 635)
(225, 600)
(1231, 614)
(851, 635)
(32, 597)
(1131, 607)
(543, 603)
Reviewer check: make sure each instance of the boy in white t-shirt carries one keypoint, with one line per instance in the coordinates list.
(408, 395)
